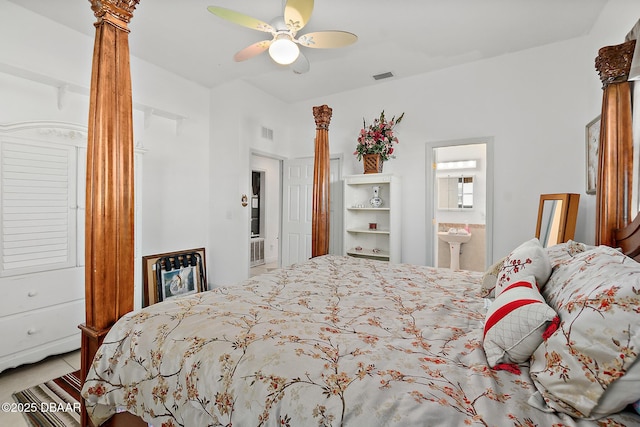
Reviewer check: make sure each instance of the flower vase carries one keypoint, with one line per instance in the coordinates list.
(372, 163)
(375, 201)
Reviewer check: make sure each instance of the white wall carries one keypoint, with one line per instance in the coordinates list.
(24, 100)
(175, 185)
(535, 104)
(238, 112)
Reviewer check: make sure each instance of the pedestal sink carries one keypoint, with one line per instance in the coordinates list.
(454, 240)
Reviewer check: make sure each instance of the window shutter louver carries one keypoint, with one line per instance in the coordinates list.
(38, 207)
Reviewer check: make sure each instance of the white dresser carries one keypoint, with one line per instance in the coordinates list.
(41, 240)
(39, 315)
(42, 191)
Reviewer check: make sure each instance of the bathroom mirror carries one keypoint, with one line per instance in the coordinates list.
(455, 192)
(557, 216)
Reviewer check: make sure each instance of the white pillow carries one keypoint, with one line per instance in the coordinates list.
(528, 259)
(622, 392)
(515, 323)
(597, 342)
(564, 252)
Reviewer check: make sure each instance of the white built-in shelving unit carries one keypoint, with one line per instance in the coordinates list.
(360, 238)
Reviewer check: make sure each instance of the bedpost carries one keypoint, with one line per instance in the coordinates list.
(109, 233)
(320, 213)
(613, 192)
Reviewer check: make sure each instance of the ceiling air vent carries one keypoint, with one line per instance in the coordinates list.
(383, 75)
(267, 133)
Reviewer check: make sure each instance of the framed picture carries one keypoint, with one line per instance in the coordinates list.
(173, 274)
(592, 135)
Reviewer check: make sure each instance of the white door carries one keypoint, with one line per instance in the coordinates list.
(297, 194)
(297, 203)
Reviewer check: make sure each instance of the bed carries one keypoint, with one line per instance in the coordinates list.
(331, 341)
(546, 337)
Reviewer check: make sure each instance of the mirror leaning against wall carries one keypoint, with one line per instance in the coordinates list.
(557, 215)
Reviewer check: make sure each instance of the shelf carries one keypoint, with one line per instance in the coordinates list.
(368, 253)
(359, 213)
(366, 230)
(368, 179)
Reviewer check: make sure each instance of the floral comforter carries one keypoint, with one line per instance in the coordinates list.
(330, 342)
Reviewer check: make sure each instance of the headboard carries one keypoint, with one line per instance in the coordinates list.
(628, 239)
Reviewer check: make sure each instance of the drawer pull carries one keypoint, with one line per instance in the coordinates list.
(32, 331)
(32, 293)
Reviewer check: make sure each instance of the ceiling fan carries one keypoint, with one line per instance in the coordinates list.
(283, 46)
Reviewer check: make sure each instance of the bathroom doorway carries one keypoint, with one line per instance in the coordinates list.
(459, 199)
(265, 206)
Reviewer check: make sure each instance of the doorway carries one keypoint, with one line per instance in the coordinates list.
(265, 208)
(459, 186)
(297, 183)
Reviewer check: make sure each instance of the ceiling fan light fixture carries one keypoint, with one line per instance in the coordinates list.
(284, 45)
(283, 50)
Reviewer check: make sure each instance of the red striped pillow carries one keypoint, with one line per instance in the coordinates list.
(515, 323)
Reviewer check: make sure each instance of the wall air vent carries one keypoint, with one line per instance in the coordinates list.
(383, 75)
(267, 133)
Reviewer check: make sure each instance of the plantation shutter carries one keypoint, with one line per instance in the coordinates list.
(39, 207)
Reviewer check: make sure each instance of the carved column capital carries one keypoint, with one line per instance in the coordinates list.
(117, 12)
(322, 115)
(613, 62)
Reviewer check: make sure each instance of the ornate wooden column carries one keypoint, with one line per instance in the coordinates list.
(321, 170)
(109, 253)
(616, 143)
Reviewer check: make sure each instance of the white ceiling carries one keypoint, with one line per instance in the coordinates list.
(405, 37)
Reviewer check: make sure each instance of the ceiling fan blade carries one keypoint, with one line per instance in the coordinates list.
(240, 19)
(327, 39)
(300, 65)
(297, 13)
(251, 51)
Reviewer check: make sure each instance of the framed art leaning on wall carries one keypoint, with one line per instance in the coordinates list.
(592, 136)
(173, 274)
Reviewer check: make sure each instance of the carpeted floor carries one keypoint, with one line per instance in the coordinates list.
(55, 403)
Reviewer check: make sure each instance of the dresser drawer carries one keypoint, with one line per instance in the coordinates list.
(33, 291)
(26, 330)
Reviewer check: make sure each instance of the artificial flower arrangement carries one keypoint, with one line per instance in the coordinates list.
(378, 137)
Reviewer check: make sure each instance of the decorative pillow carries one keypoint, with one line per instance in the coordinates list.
(564, 252)
(528, 259)
(636, 406)
(515, 323)
(490, 278)
(597, 296)
(624, 391)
